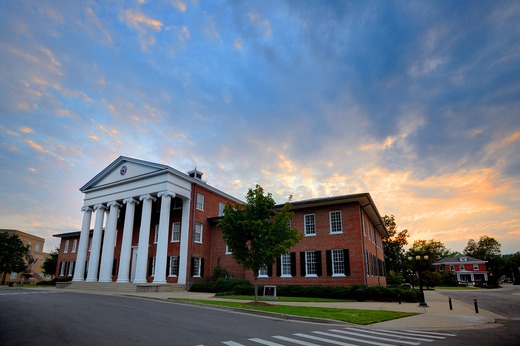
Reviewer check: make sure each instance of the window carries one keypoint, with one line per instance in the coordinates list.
(441, 268)
(13, 275)
(221, 207)
(262, 272)
(338, 263)
(174, 266)
(286, 265)
(475, 267)
(62, 268)
(152, 266)
(74, 245)
(463, 259)
(176, 231)
(197, 267)
(228, 250)
(200, 201)
(309, 224)
(156, 234)
(89, 244)
(37, 247)
(71, 268)
(310, 263)
(452, 268)
(461, 266)
(335, 222)
(66, 247)
(198, 233)
(177, 203)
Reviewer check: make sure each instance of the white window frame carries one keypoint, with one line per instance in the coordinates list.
(153, 267)
(285, 265)
(13, 275)
(71, 268)
(200, 201)
(156, 234)
(338, 262)
(228, 250)
(452, 268)
(335, 222)
(66, 247)
(461, 267)
(311, 268)
(309, 224)
(196, 267)
(475, 267)
(174, 266)
(62, 268)
(198, 233)
(37, 247)
(221, 207)
(441, 268)
(176, 232)
(262, 272)
(74, 245)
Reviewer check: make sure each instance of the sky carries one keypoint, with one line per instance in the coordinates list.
(415, 102)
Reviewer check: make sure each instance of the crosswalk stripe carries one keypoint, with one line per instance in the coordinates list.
(424, 332)
(414, 333)
(232, 343)
(402, 335)
(370, 342)
(265, 342)
(378, 338)
(330, 341)
(295, 341)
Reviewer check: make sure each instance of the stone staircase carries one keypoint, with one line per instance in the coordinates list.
(121, 287)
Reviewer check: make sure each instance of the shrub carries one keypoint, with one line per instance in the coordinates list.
(224, 285)
(202, 287)
(46, 283)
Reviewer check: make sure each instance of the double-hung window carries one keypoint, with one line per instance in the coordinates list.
(66, 247)
(152, 266)
(200, 201)
(221, 207)
(156, 234)
(197, 266)
(71, 268)
(198, 233)
(309, 221)
(74, 245)
(310, 263)
(338, 263)
(174, 266)
(262, 272)
(335, 222)
(286, 265)
(176, 232)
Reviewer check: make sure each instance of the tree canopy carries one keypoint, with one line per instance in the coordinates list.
(485, 248)
(394, 244)
(12, 252)
(257, 234)
(433, 248)
(50, 262)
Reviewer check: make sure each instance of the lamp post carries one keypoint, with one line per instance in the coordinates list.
(417, 266)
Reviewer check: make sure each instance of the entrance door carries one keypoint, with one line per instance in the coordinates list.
(133, 264)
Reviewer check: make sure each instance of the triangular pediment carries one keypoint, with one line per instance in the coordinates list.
(122, 169)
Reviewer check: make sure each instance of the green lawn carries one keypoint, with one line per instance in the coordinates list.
(362, 317)
(287, 299)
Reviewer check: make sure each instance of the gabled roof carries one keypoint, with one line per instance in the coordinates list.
(460, 258)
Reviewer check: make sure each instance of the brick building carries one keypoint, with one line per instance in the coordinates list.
(161, 228)
(33, 260)
(467, 269)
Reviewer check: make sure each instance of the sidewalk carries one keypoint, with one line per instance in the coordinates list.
(437, 316)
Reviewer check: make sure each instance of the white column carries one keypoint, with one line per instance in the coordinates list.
(162, 239)
(183, 253)
(83, 244)
(95, 247)
(109, 241)
(126, 244)
(144, 236)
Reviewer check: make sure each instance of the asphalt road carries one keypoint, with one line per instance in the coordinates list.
(49, 317)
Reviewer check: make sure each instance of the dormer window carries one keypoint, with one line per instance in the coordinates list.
(463, 259)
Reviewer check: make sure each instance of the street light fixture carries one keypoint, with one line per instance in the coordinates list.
(417, 267)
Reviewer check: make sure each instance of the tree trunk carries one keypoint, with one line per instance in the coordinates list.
(256, 288)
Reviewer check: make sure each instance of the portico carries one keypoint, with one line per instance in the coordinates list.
(136, 189)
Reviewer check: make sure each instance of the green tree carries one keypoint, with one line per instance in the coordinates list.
(257, 234)
(433, 248)
(488, 249)
(393, 245)
(50, 262)
(12, 252)
(485, 248)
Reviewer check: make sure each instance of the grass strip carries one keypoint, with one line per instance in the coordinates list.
(286, 299)
(361, 317)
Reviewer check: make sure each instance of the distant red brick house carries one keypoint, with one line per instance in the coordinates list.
(467, 269)
(161, 228)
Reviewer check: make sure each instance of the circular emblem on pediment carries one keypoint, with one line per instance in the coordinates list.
(123, 170)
